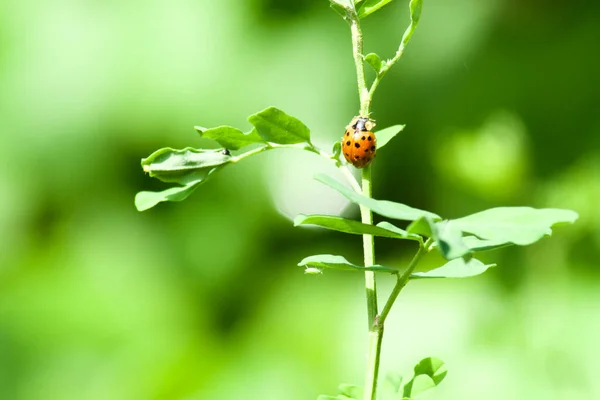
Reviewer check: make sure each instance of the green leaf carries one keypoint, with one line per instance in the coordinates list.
(387, 134)
(415, 7)
(339, 262)
(337, 150)
(338, 397)
(517, 225)
(374, 61)
(475, 244)
(415, 15)
(457, 268)
(339, 9)
(429, 373)
(275, 126)
(351, 391)
(370, 6)
(146, 200)
(382, 207)
(421, 226)
(183, 166)
(355, 227)
(448, 239)
(229, 137)
(405, 235)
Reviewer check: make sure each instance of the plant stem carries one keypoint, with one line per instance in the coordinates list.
(357, 52)
(375, 330)
(365, 96)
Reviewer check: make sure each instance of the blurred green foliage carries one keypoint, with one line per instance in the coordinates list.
(203, 299)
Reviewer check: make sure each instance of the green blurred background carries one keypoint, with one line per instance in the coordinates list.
(203, 299)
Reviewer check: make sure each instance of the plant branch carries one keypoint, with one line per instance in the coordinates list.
(387, 65)
(303, 146)
(402, 281)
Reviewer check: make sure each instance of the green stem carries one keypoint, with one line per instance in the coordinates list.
(365, 97)
(375, 330)
(357, 52)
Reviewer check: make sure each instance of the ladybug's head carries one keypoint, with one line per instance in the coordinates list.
(363, 124)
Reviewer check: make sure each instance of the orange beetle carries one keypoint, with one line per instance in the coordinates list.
(359, 143)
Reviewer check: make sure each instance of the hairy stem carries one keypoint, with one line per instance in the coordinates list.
(357, 52)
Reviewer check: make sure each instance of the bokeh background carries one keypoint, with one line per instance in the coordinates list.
(203, 299)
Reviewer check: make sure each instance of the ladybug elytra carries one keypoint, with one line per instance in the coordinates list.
(359, 143)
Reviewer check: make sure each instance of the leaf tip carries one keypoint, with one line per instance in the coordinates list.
(299, 219)
(141, 201)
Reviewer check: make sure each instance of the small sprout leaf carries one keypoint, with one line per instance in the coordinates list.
(368, 7)
(382, 207)
(275, 126)
(229, 137)
(339, 262)
(355, 227)
(337, 150)
(415, 7)
(184, 166)
(375, 62)
(387, 134)
(457, 268)
(517, 225)
(429, 373)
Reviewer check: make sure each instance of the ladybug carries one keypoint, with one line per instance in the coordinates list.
(359, 143)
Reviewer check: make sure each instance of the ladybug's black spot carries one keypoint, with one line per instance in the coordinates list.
(348, 143)
(347, 155)
(366, 150)
(363, 138)
(356, 145)
(373, 148)
(356, 157)
(369, 138)
(347, 133)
